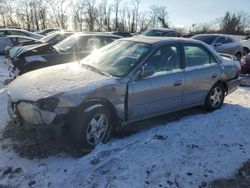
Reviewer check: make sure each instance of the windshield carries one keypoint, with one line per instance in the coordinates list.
(46, 39)
(206, 39)
(68, 44)
(117, 58)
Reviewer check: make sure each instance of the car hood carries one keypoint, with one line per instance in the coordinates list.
(50, 81)
(20, 50)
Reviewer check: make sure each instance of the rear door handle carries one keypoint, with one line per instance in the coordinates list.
(178, 83)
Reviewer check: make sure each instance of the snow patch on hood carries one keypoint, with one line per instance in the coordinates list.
(53, 80)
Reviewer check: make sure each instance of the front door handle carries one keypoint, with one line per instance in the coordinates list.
(178, 83)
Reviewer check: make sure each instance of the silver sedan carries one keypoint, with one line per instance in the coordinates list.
(222, 44)
(127, 81)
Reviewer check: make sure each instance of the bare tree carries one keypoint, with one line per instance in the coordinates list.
(60, 9)
(233, 23)
(117, 9)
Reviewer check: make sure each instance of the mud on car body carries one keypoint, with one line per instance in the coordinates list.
(127, 81)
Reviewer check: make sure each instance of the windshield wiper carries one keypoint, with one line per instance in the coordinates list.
(96, 70)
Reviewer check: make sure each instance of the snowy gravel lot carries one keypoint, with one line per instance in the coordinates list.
(188, 152)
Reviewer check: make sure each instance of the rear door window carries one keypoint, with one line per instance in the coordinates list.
(222, 40)
(197, 56)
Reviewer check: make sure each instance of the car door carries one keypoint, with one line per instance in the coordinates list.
(160, 92)
(201, 73)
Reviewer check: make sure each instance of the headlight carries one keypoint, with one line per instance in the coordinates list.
(31, 113)
(47, 104)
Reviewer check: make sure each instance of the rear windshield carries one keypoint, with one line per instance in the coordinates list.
(206, 39)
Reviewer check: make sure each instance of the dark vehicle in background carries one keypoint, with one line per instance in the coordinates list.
(187, 35)
(121, 33)
(15, 40)
(73, 48)
(55, 37)
(47, 31)
(245, 64)
(6, 32)
(127, 81)
(160, 32)
(20, 41)
(222, 43)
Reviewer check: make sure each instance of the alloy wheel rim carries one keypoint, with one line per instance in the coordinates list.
(97, 129)
(216, 97)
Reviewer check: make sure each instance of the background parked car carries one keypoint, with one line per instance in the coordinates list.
(131, 80)
(47, 31)
(222, 44)
(246, 44)
(6, 32)
(14, 40)
(20, 41)
(160, 32)
(245, 64)
(120, 33)
(56, 37)
(187, 35)
(71, 49)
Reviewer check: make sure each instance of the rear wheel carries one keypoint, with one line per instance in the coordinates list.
(215, 97)
(91, 128)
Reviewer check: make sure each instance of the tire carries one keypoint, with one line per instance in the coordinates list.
(238, 55)
(215, 97)
(87, 122)
(246, 50)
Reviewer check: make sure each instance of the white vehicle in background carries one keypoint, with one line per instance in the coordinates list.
(6, 32)
(246, 44)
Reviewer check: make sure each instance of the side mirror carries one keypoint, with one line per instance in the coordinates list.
(146, 71)
(217, 44)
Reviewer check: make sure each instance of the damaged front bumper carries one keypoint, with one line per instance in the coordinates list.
(14, 72)
(29, 115)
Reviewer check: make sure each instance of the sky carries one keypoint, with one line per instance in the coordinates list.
(187, 12)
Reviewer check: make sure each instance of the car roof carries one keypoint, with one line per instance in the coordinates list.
(156, 40)
(96, 34)
(163, 29)
(62, 32)
(10, 29)
(20, 36)
(215, 35)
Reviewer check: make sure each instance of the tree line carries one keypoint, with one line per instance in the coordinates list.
(105, 15)
(81, 15)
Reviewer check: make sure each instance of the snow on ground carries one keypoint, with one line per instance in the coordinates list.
(182, 153)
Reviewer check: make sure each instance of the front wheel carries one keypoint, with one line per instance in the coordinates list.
(91, 128)
(238, 56)
(215, 97)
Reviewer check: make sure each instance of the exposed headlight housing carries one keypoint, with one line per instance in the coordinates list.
(31, 113)
(48, 104)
